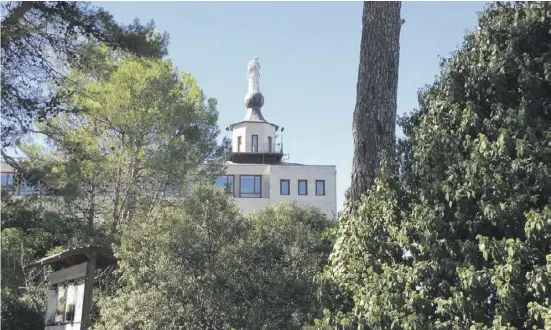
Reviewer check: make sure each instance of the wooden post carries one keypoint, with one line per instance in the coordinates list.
(88, 289)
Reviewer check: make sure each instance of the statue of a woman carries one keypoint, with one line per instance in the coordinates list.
(254, 75)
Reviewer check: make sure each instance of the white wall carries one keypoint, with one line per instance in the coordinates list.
(311, 173)
(238, 130)
(247, 129)
(4, 167)
(271, 176)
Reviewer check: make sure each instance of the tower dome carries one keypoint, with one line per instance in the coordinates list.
(254, 100)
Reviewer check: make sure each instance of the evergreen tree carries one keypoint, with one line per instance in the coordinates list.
(41, 42)
(374, 120)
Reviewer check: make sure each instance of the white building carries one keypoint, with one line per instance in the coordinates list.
(257, 176)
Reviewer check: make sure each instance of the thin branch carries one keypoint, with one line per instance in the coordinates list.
(17, 13)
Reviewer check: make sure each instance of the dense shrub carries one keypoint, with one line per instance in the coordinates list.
(461, 239)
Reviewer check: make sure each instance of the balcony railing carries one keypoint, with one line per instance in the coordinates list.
(275, 148)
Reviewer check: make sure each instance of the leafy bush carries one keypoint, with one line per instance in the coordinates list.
(462, 238)
(202, 265)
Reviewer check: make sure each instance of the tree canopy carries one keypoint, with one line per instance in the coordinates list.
(41, 42)
(461, 239)
(202, 265)
(143, 129)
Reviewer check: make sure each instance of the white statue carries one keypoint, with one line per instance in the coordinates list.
(253, 74)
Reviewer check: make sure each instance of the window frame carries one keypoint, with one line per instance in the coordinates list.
(239, 143)
(232, 192)
(322, 182)
(288, 187)
(253, 145)
(60, 319)
(250, 195)
(306, 186)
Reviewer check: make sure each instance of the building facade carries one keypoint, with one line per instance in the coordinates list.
(256, 174)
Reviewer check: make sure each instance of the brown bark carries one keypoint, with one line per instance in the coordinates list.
(374, 120)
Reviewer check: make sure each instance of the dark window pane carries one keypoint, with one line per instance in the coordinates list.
(224, 182)
(230, 184)
(320, 188)
(247, 184)
(302, 187)
(250, 186)
(284, 185)
(221, 182)
(255, 143)
(8, 182)
(7, 179)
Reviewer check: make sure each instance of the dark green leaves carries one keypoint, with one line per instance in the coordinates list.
(470, 209)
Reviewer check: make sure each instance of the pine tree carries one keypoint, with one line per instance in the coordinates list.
(374, 118)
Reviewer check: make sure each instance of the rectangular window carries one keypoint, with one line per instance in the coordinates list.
(250, 186)
(8, 182)
(225, 182)
(320, 187)
(270, 144)
(239, 144)
(51, 307)
(60, 304)
(71, 303)
(284, 187)
(254, 145)
(302, 187)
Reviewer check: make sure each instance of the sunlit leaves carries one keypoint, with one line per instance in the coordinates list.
(202, 265)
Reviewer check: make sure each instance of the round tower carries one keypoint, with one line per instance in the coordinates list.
(254, 138)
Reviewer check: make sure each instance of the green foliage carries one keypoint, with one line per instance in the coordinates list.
(462, 238)
(29, 27)
(143, 127)
(284, 251)
(32, 229)
(201, 265)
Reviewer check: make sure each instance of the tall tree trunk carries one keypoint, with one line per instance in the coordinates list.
(374, 120)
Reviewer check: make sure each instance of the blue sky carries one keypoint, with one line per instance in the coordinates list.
(309, 53)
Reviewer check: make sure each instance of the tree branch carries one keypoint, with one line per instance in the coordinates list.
(19, 11)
